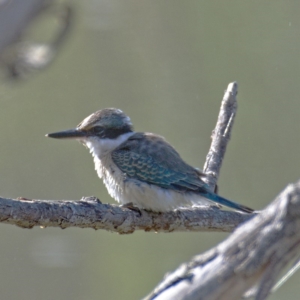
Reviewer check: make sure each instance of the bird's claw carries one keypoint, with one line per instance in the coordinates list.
(130, 206)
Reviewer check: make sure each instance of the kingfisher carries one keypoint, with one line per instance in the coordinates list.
(139, 168)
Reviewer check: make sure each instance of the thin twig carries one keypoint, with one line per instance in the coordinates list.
(221, 135)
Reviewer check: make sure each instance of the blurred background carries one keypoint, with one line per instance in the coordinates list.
(166, 64)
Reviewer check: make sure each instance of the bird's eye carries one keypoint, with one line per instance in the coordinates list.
(97, 129)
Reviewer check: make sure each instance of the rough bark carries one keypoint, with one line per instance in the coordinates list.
(253, 255)
(91, 213)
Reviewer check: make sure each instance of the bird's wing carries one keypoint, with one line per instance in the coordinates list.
(151, 159)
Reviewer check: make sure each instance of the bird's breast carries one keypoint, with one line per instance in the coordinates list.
(111, 175)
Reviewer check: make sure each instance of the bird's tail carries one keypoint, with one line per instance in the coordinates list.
(223, 201)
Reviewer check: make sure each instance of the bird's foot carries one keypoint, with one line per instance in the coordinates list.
(130, 206)
(90, 199)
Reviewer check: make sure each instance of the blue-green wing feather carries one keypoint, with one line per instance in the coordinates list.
(149, 158)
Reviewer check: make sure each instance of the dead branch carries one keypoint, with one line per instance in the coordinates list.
(91, 213)
(254, 255)
(221, 135)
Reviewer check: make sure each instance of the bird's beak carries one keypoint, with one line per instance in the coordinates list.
(68, 134)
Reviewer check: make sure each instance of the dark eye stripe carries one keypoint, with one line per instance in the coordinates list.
(97, 130)
(110, 133)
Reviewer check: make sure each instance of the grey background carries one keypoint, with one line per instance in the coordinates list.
(166, 64)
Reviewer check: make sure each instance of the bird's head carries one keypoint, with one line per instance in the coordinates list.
(105, 128)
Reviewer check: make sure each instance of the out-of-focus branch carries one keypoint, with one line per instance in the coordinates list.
(15, 16)
(19, 54)
(254, 255)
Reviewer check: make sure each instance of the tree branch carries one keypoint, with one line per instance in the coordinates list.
(91, 213)
(221, 135)
(254, 254)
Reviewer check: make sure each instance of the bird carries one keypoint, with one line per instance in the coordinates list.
(141, 169)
